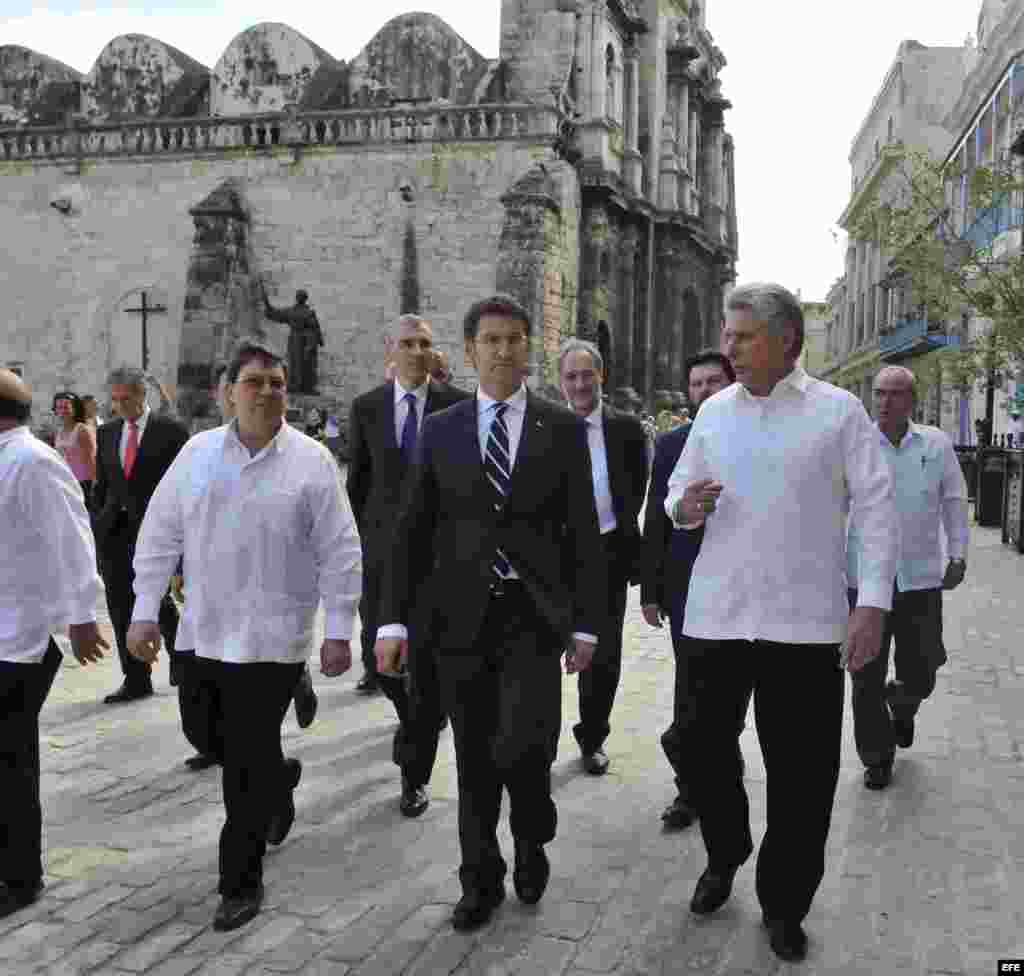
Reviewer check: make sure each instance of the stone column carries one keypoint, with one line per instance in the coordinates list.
(634, 163)
(629, 245)
(691, 147)
(668, 177)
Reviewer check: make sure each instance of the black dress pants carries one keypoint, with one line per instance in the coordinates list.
(915, 623)
(598, 684)
(414, 746)
(504, 697)
(798, 706)
(201, 721)
(251, 700)
(23, 689)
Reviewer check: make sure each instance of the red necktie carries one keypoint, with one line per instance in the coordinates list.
(131, 449)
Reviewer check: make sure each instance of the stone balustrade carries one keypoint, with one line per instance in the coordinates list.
(396, 125)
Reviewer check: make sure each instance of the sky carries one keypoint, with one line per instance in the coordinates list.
(801, 75)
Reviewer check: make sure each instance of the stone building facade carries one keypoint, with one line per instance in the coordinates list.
(586, 170)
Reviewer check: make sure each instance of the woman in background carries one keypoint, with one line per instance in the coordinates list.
(76, 440)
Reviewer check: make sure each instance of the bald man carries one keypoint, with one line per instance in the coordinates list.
(931, 499)
(48, 580)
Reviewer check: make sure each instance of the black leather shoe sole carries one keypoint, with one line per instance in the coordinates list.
(475, 909)
(712, 891)
(531, 874)
(233, 913)
(877, 777)
(201, 761)
(123, 695)
(414, 802)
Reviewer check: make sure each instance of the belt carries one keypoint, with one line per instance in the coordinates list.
(501, 589)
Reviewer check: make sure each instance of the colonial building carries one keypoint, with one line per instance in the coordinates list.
(874, 317)
(587, 170)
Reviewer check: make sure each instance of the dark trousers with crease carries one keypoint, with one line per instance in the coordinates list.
(798, 706)
(598, 684)
(915, 624)
(414, 696)
(504, 697)
(23, 690)
(251, 701)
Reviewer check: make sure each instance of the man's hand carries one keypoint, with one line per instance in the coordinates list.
(864, 640)
(87, 643)
(335, 657)
(652, 614)
(144, 640)
(391, 653)
(578, 656)
(955, 573)
(698, 501)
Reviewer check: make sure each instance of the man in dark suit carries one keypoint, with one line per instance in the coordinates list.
(618, 464)
(668, 564)
(384, 429)
(499, 515)
(132, 455)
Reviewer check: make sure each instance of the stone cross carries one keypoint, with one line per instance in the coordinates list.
(146, 310)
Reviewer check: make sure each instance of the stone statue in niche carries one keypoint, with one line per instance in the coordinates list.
(305, 338)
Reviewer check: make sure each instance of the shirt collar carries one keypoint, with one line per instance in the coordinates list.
(420, 392)
(912, 431)
(515, 402)
(276, 442)
(141, 419)
(796, 379)
(595, 416)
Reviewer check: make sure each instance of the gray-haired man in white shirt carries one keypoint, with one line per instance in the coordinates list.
(48, 579)
(771, 467)
(258, 512)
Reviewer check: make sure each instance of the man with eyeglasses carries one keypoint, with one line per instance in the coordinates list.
(258, 514)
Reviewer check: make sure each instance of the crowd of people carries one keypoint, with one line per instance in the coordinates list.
(484, 537)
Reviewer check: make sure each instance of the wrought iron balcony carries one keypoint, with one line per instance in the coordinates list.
(910, 337)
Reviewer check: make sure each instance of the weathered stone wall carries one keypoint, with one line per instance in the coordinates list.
(35, 89)
(332, 223)
(417, 57)
(136, 76)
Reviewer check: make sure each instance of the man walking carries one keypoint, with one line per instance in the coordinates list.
(771, 467)
(668, 565)
(258, 513)
(133, 453)
(48, 579)
(930, 493)
(618, 465)
(499, 520)
(384, 430)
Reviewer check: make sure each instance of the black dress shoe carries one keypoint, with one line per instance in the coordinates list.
(201, 761)
(368, 685)
(678, 815)
(305, 700)
(281, 822)
(232, 913)
(878, 777)
(531, 873)
(596, 762)
(475, 908)
(712, 891)
(414, 799)
(15, 897)
(787, 939)
(903, 731)
(126, 694)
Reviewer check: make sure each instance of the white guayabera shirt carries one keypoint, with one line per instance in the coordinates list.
(48, 572)
(265, 539)
(792, 465)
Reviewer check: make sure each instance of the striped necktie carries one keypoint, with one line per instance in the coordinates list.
(498, 468)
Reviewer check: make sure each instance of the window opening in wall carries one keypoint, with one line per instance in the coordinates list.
(610, 108)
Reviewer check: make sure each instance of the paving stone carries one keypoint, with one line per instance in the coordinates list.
(127, 926)
(97, 901)
(155, 949)
(267, 932)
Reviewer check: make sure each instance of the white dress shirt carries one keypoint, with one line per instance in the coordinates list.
(265, 538)
(792, 465)
(402, 407)
(930, 492)
(514, 417)
(599, 470)
(48, 575)
(141, 422)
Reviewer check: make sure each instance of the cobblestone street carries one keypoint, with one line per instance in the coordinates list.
(926, 877)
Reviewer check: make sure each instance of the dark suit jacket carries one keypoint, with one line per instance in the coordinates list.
(626, 447)
(119, 503)
(669, 553)
(376, 468)
(452, 519)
